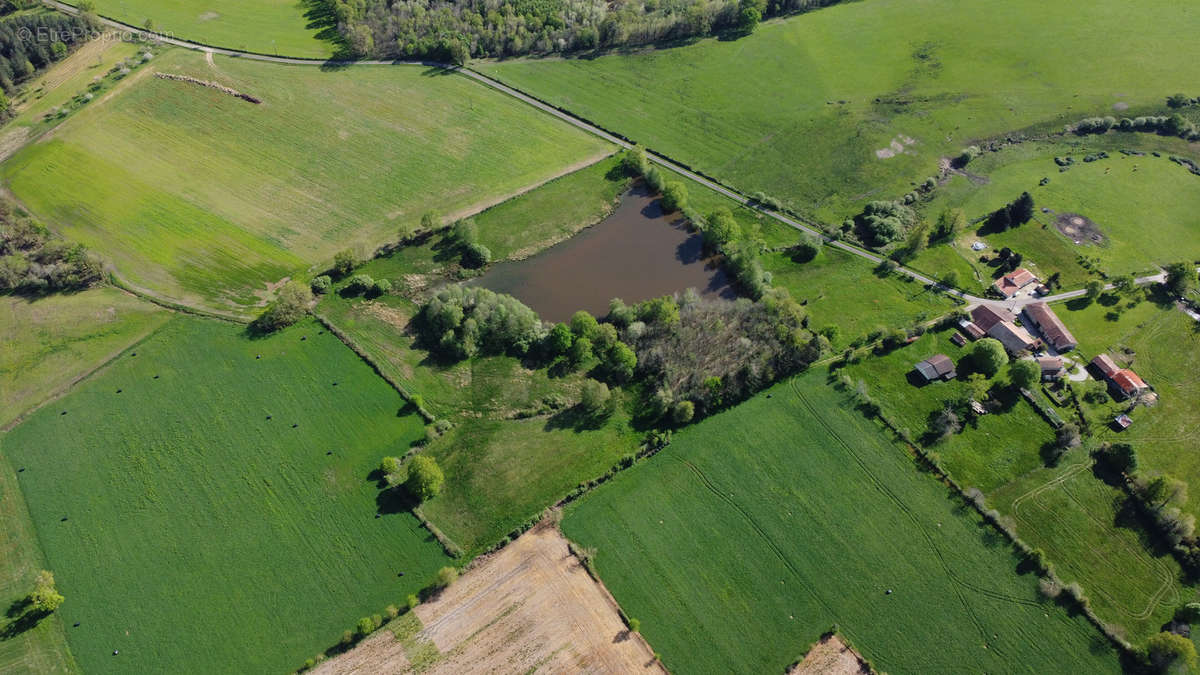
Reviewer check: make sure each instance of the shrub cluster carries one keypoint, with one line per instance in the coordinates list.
(465, 235)
(1167, 125)
(291, 303)
(882, 222)
(461, 321)
(34, 261)
(718, 353)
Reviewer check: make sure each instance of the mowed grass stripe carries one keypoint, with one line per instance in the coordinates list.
(202, 536)
(759, 528)
(205, 198)
(284, 27)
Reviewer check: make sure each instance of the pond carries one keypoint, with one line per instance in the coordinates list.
(635, 254)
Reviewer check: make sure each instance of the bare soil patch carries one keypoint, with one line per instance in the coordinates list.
(1079, 229)
(529, 607)
(380, 653)
(830, 656)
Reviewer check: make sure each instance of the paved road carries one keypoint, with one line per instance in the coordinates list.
(971, 300)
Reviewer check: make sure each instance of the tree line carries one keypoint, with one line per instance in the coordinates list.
(457, 31)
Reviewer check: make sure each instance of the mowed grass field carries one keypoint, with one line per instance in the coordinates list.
(51, 341)
(205, 198)
(280, 27)
(759, 528)
(844, 291)
(1163, 347)
(205, 509)
(800, 108)
(42, 649)
(1146, 207)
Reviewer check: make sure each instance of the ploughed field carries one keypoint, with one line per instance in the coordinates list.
(762, 526)
(200, 505)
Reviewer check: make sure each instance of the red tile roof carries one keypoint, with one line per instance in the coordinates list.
(1052, 327)
(1014, 281)
(1128, 382)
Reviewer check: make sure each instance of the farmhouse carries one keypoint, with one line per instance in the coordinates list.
(1052, 367)
(1010, 284)
(1051, 326)
(998, 323)
(936, 367)
(1105, 364)
(973, 331)
(986, 316)
(1122, 380)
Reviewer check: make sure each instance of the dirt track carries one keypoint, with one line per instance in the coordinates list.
(529, 608)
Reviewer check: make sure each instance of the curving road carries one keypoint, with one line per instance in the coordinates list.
(1014, 304)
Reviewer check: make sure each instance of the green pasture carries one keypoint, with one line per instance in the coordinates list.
(844, 291)
(996, 448)
(1146, 208)
(51, 341)
(1162, 345)
(300, 28)
(761, 527)
(1080, 522)
(516, 446)
(206, 509)
(800, 108)
(205, 198)
(42, 648)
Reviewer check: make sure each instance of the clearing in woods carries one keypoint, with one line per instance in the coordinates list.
(530, 607)
(235, 196)
(733, 529)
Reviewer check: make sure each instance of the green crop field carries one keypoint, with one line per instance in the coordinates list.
(41, 649)
(844, 291)
(283, 27)
(761, 527)
(206, 198)
(1145, 207)
(203, 506)
(50, 342)
(821, 93)
(1077, 520)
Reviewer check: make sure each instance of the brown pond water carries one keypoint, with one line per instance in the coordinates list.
(635, 254)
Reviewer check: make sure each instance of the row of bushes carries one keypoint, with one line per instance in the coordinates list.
(1167, 125)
